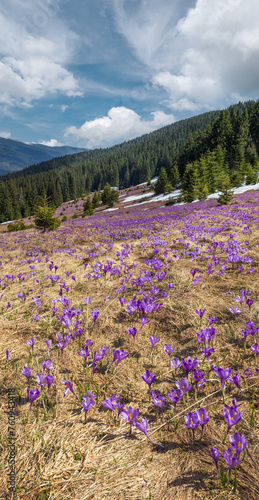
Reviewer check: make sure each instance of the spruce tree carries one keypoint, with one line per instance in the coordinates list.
(95, 200)
(163, 185)
(43, 217)
(174, 175)
(88, 207)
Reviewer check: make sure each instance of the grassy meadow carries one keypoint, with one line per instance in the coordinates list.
(135, 281)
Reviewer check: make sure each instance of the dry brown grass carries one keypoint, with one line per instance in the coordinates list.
(61, 458)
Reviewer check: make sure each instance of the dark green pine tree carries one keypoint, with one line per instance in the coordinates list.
(109, 196)
(190, 183)
(88, 207)
(95, 200)
(7, 212)
(163, 185)
(174, 176)
(126, 179)
(15, 199)
(65, 187)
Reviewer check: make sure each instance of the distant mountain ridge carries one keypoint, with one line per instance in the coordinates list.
(16, 155)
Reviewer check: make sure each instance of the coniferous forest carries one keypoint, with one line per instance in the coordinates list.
(199, 151)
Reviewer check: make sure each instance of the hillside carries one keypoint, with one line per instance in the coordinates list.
(202, 151)
(72, 176)
(16, 155)
(129, 344)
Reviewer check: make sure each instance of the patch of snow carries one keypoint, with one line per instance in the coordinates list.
(137, 197)
(110, 209)
(243, 189)
(237, 190)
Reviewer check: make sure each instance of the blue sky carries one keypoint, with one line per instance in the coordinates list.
(93, 73)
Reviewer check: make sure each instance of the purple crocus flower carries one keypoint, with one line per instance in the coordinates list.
(211, 321)
(248, 373)
(122, 301)
(238, 442)
(47, 365)
(153, 341)
(149, 378)
(199, 378)
(234, 405)
(95, 314)
(235, 380)
(49, 379)
(158, 400)
(132, 331)
(201, 337)
(88, 300)
(30, 343)
(193, 272)
(210, 334)
(257, 371)
(183, 385)
(249, 302)
(130, 415)
(232, 460)
(84, 353)
(112, 403)
(26, 372)
(8, 355)
(96, 357)
(175, 396)
(69, 387)
(232, 417)
(207, 352)
(255, 349)
(144, 321)
(119, 355)
(222, 375)
(169, 349)
(215, 455)
(143, 428)
(192, 422)
(103, 350)
(189, 365)
(63, 343)
(32, 395)
(235, 311)
(203, 418)
(175, 363)
(200, 313)
(88, 402)
(40, 379)
(21, 296)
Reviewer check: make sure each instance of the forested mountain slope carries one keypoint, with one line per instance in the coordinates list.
(16, 155)
(203, 148)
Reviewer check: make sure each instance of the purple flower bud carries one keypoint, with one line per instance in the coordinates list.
(215, 455)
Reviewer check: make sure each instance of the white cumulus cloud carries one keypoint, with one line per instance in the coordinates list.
(33, 58)
(219, 60)
(5, 135)
(52, 143)
(120, 124)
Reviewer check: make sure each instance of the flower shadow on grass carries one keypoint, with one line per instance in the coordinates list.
(195, 479)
